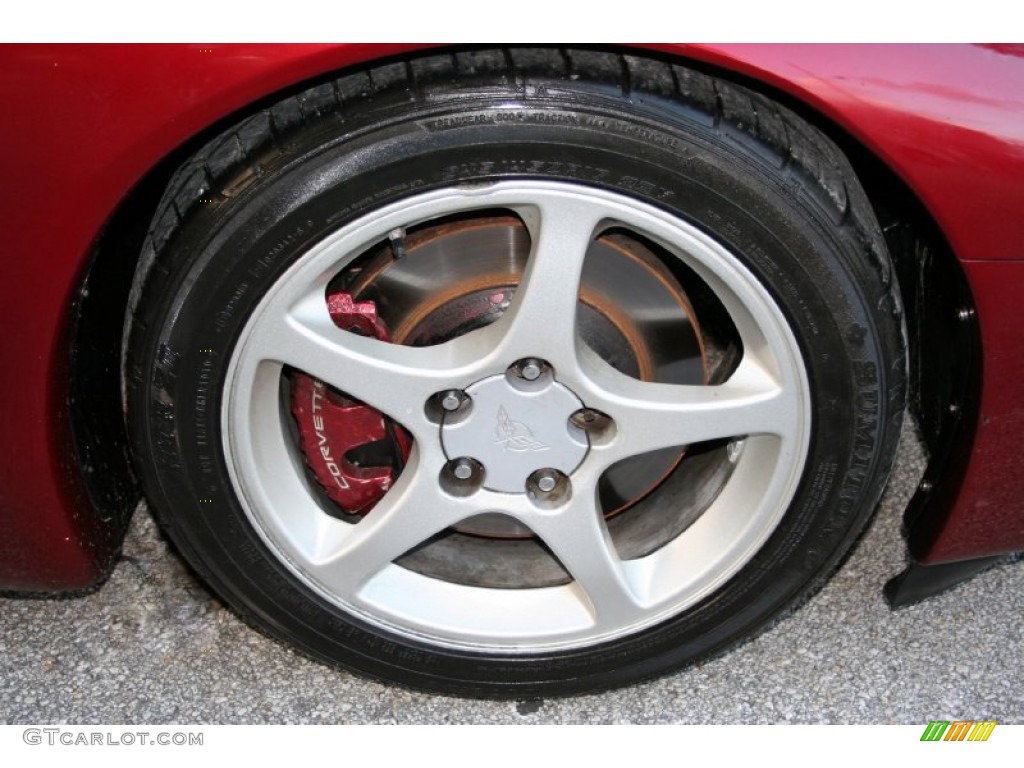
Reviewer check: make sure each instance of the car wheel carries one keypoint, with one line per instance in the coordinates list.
(516, 372)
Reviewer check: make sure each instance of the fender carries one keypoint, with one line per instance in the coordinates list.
(92, 131)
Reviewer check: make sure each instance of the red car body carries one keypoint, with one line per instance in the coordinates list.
(92, 132)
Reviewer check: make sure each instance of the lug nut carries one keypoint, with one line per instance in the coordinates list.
(462, 477)
(593, 422)
(548, 488)
(530, 369)
(527, 371)
(584, 418)
(452, 399)
(546, 480)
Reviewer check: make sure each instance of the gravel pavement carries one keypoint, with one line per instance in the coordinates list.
(153, 646)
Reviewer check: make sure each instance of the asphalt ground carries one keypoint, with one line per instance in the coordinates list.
(153, 646)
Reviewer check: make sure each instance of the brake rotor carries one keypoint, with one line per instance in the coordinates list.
(445, 279)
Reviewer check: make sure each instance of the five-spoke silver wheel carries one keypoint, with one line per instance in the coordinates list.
(511, 437)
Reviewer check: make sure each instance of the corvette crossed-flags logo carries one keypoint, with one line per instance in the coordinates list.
(514, 435)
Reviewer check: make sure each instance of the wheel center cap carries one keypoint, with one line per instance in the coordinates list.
(514, 427)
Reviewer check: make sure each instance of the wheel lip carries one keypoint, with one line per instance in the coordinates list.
(376, 224)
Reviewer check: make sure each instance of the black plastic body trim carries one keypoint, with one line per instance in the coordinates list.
(945, 385)
(919, 582)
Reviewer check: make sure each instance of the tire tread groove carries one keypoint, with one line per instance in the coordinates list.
(778, 136)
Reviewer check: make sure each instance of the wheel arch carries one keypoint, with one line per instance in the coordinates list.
(931, 280)
(944, 341)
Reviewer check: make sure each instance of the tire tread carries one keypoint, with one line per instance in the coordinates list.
(801, 153)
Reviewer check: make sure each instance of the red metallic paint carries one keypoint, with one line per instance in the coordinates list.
(83, 124)
(987, 516)
(948, 119)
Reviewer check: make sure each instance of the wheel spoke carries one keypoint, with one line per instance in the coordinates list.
(395, 379)
(542, 319)
(411, 513)
(579, 538)
(650, 416)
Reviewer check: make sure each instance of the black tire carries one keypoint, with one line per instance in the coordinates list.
(770, 189)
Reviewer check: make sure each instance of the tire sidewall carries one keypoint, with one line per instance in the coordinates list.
(230, 255)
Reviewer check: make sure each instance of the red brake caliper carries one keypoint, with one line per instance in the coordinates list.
(332, 425)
